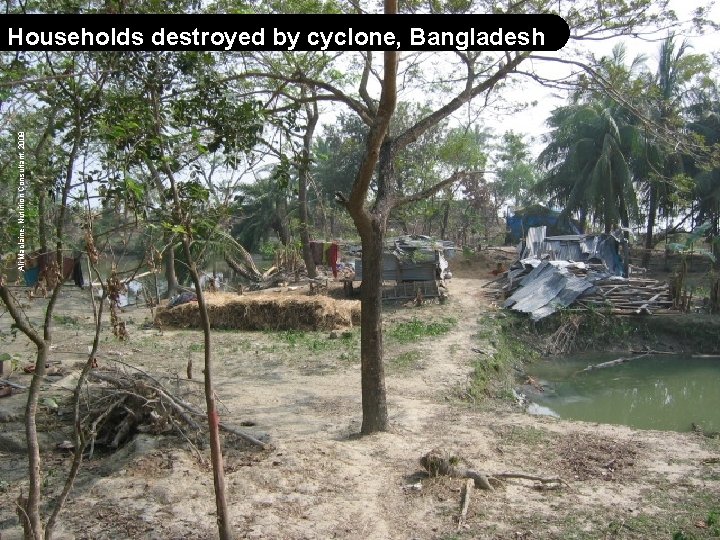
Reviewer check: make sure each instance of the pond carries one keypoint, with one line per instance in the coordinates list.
(664, 392)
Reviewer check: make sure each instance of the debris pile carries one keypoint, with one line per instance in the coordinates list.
(125, 402)
(576, 271)
(629, 296)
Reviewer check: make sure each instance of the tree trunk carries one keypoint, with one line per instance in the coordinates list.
(42, 216)
(169, 261)
(248, 270)
(715, 238)
(29, 508)
(371, 226)
(652, 216)
(223, 521)
(583, 220)
(445, 219)
(33, 525)
(374, 404)
(303, 178)
(216, 457)
(281, 221)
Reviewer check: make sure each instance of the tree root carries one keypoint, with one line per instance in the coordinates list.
(437, 463)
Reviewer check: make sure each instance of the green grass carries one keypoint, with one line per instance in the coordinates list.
(66, 320)
(493, 374)
(318, 341)
(405, 361)
(406, 332)
(529, 436)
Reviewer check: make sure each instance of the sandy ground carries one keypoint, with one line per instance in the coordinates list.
(322, 481)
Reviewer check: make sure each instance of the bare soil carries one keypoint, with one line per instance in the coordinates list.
(301, 393)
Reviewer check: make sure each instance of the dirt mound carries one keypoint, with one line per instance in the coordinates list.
(264, 312)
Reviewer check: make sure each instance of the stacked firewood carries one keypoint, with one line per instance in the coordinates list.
(627, 296)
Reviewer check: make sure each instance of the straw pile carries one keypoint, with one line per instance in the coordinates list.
(265, 312)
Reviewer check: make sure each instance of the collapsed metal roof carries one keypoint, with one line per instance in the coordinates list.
(554, 272)
(545, 289)
(586, 248)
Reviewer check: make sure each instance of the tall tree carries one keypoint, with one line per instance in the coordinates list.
(587, 170)
(474, 74)
(704, 116)
(516, 172)
(660, 163)
(70, 105)
(587, 158)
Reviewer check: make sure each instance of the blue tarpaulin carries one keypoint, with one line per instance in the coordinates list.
(523, 219)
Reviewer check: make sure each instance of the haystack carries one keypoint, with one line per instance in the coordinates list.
(265, 312)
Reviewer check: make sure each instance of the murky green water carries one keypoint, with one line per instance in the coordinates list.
(654, 392)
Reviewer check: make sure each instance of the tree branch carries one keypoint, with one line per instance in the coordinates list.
(378, 131)
(22, 323)
(412, 133)
(364, 81)
(425, 193)
(365, 114)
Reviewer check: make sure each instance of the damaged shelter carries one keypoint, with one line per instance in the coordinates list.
(519, 221)
(415, 263)
(580, 270)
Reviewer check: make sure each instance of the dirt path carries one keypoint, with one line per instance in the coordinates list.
(320, 481)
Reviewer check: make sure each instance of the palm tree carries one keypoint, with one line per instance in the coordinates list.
(705, 114)
(587, 171)
(659, 163)
(587, 157)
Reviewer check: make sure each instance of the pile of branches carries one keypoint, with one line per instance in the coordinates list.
(562, 341)
(122, 403)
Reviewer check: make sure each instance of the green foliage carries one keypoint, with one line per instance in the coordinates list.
(713, 522)
(587, 170)
(406, 332)
(262, 212)
(462, 149)
(688, 245)
(337, 155)
(517, 174)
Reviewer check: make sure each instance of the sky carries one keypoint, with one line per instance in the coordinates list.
(531, 121)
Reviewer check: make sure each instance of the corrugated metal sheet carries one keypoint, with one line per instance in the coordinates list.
(549, 289)
(535, 243)
(397, 269)
(601, 248)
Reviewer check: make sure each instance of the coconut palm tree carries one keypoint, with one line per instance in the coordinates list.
(705, 122)
(658, 165)
(586, 168)
(586, 161)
